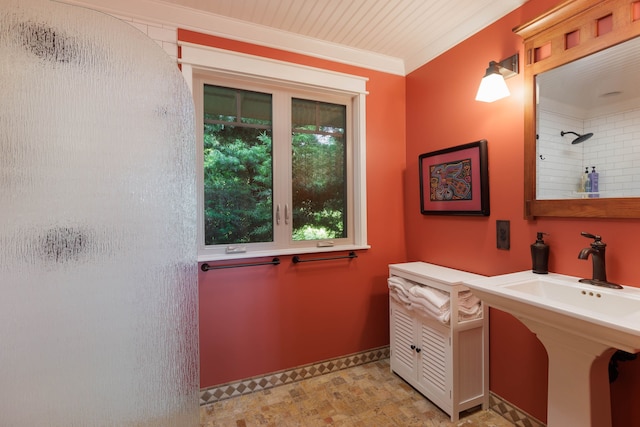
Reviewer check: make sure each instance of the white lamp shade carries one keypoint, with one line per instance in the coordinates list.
(492, 87)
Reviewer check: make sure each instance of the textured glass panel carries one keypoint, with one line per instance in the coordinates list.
(98, 291)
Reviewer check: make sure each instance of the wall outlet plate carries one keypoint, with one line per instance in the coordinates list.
(503, 237)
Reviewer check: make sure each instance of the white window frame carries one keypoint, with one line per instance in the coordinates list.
(197, 60)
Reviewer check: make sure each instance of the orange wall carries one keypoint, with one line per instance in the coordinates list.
(442, 112)
(263, 319)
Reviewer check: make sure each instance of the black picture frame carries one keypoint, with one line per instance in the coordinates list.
(455, 180)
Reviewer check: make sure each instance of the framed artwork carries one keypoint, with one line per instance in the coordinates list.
(455, 181)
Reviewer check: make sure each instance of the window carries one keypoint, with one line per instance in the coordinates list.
(282, 163)
(241, 203)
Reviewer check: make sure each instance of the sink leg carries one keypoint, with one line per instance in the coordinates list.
(578, 392)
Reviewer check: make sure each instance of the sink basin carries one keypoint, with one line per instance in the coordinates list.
(580, 326)
(610, 316)
(582, 297)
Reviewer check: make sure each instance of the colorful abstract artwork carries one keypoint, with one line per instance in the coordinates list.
(455, 181)
(451, 181)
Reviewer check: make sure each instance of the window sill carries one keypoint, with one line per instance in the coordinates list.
(281, 252)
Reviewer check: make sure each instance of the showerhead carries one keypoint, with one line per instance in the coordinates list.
(579, 139)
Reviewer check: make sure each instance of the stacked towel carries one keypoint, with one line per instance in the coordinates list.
(399, 290)
(468, 305)
(432, 302)
(400, 284)
(434, 297)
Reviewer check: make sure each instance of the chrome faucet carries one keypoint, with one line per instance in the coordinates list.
(597, 251)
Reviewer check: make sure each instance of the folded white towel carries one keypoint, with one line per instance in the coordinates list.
(439, 299)
(393, 287)
(399, 287)
(400, 297)
(400, 282)
(399, 291)
(467, 299)
(465, 317)
(474, 309)
(422, 305)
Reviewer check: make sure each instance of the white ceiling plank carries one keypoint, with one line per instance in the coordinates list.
(383, 18)
(337, 22)
(270, 14)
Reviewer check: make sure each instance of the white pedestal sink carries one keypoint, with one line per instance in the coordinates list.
(581, 326)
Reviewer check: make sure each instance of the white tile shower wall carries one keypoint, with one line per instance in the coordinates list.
(166, 36)
(614, 150)
(559, 163)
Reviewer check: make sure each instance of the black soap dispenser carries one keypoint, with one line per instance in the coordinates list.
(540, 255)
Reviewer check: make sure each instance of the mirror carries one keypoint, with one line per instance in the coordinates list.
(597, 95)
(577, 66)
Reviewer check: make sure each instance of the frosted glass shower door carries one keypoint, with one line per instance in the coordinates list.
(98, 275)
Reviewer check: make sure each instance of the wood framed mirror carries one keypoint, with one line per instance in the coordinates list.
(576, 30)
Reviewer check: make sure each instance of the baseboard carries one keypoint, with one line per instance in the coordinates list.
(264, 382)
(511, 413)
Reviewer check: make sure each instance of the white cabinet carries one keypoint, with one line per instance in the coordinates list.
(446, 362)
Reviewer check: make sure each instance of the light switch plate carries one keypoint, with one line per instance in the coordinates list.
(503, 237)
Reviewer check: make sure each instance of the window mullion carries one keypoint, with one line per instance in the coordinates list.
(282, 167)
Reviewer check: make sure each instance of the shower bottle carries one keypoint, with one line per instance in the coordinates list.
(593, 178)
(583, 181)
(587, 182)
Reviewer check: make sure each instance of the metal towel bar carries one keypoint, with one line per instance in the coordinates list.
(296, 259)
(207, 267)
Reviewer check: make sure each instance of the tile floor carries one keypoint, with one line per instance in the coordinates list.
(366, 395)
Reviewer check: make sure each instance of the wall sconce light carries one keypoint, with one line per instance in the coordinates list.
(493, 87)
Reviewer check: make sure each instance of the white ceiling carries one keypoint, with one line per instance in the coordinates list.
(391, 35)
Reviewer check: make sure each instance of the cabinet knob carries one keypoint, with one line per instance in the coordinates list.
(413, 347)
(418, 350)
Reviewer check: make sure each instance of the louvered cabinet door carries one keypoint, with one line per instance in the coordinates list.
(402, 342)
(434, 363)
